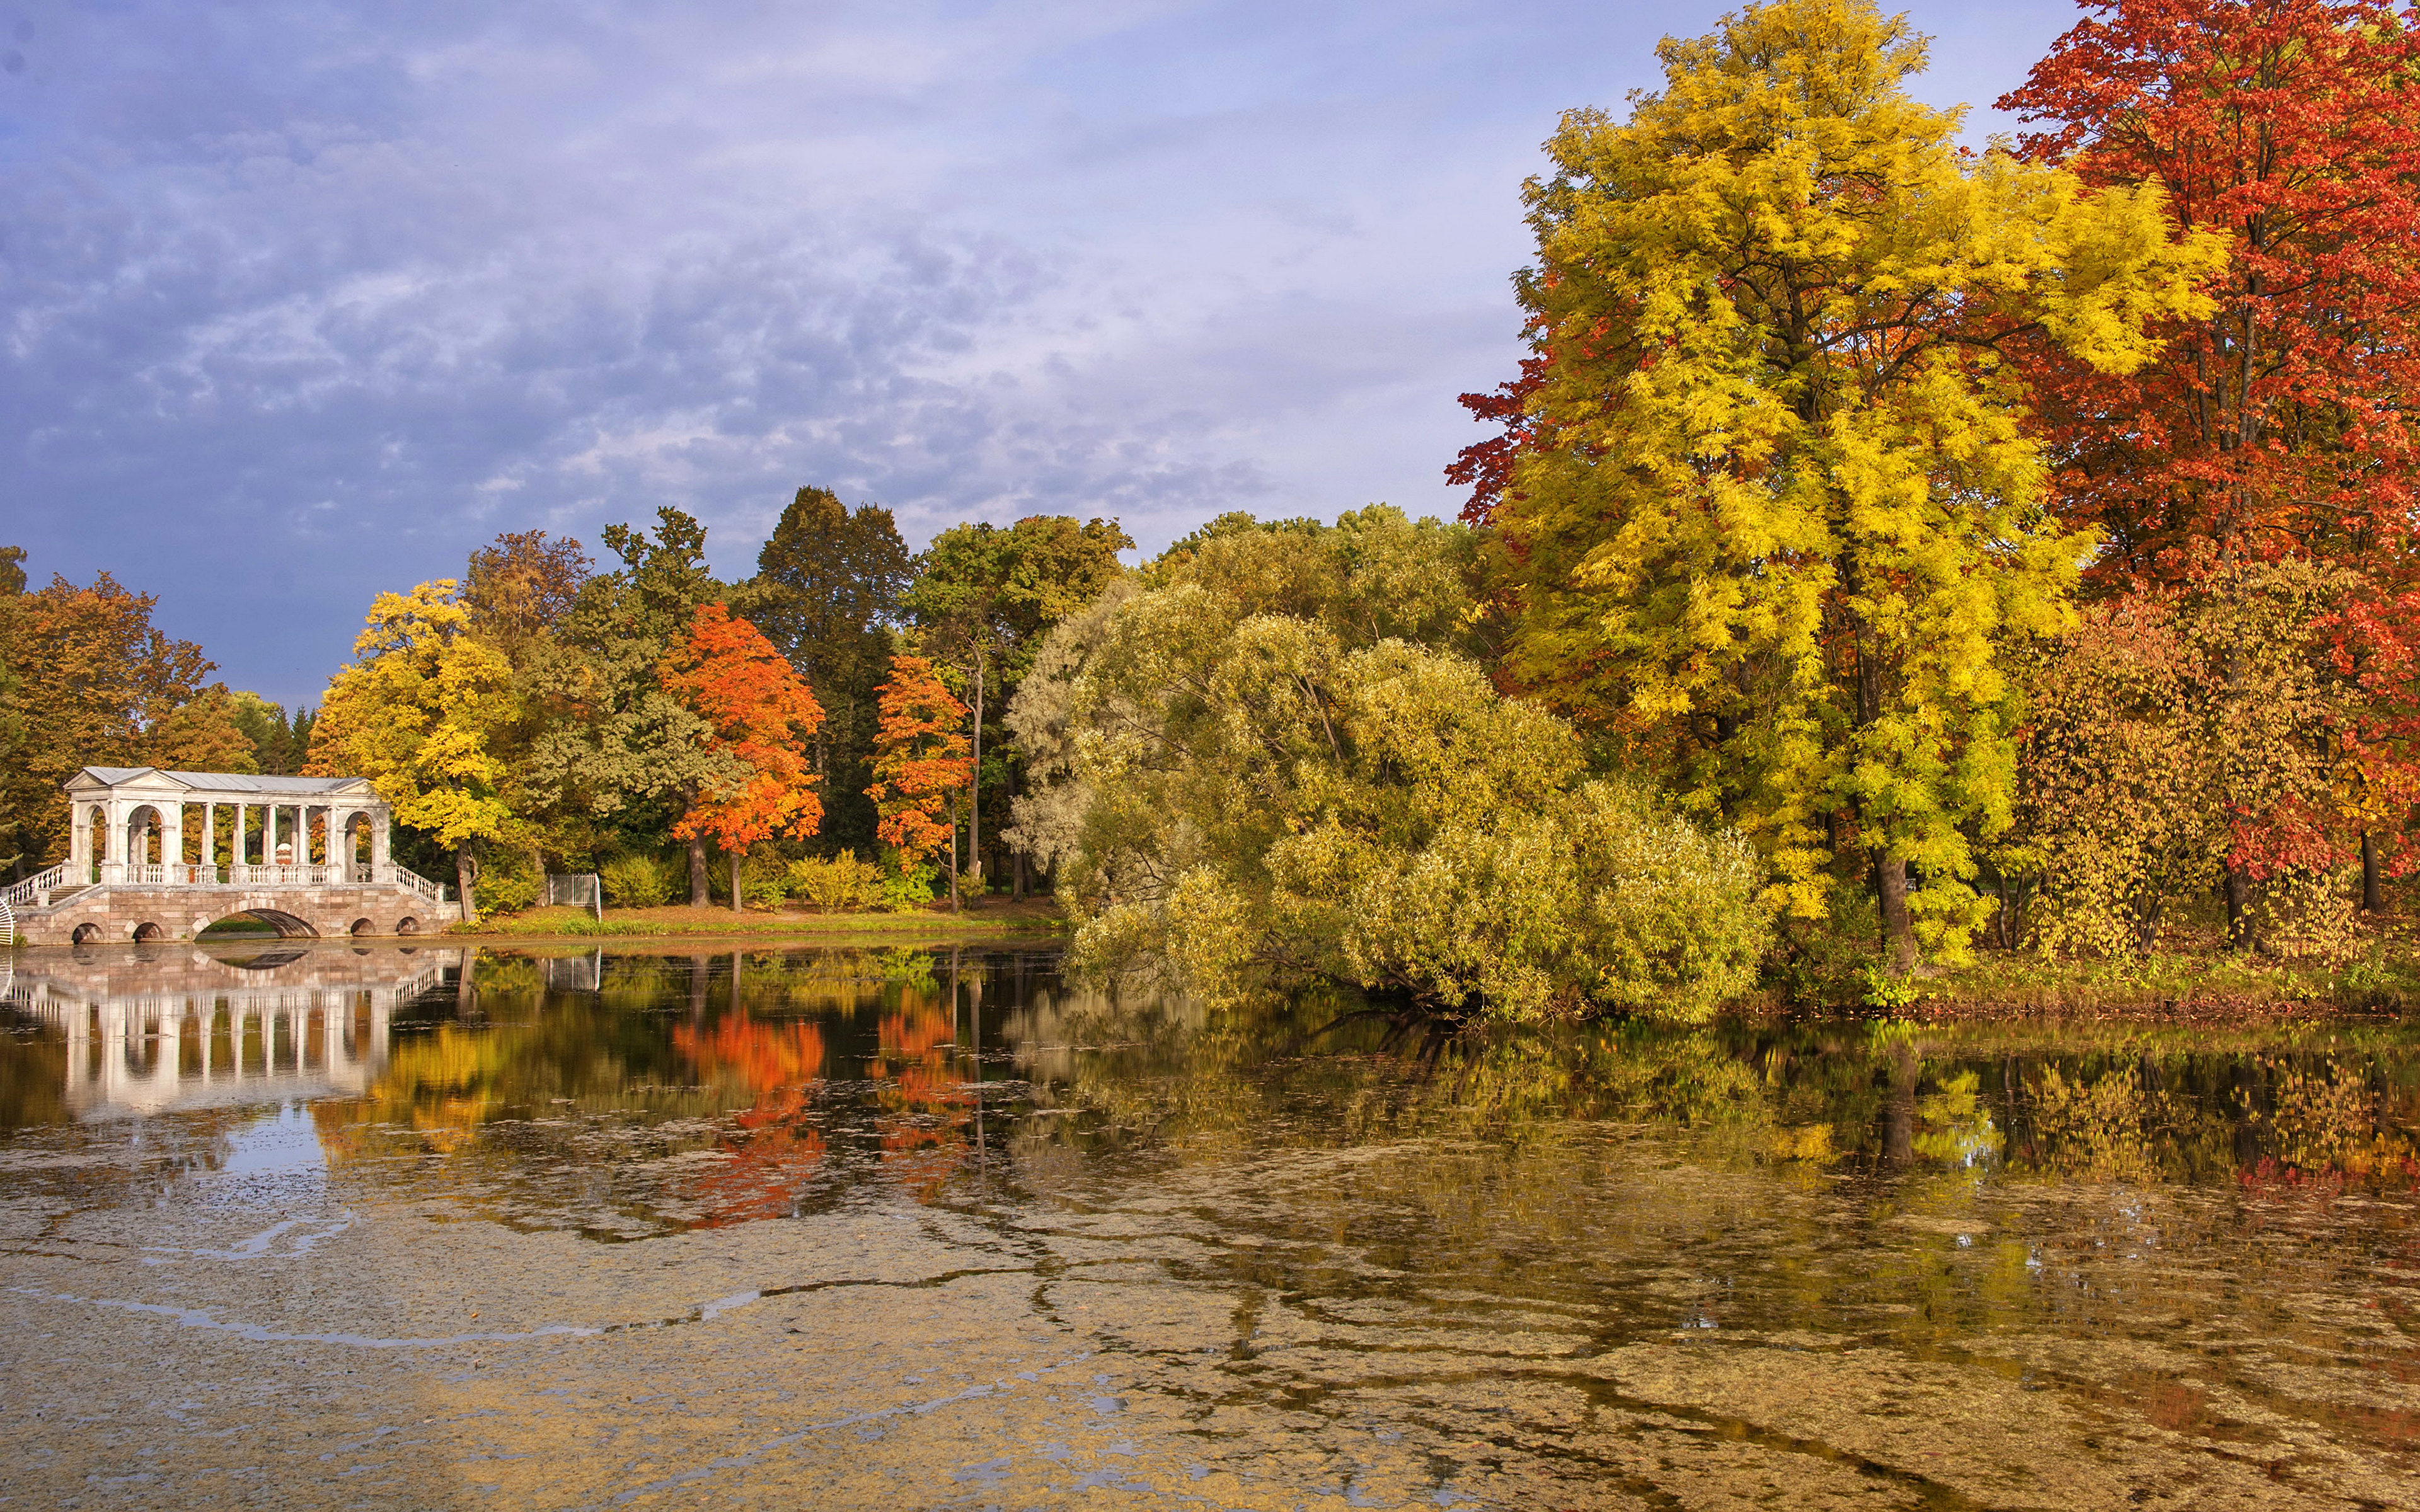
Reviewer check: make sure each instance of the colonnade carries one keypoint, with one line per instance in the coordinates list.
(285, 843)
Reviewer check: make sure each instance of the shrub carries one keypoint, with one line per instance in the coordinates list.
(904, 888)
(1258, 804)
(635, 882)
(508, 881)
(840, 880)
(766, 880)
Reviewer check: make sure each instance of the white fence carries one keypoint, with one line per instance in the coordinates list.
(576, 890)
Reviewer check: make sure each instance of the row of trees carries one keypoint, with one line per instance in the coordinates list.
(536, 713)
(2026, 539)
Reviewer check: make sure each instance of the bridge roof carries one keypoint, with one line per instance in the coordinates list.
(110, 776)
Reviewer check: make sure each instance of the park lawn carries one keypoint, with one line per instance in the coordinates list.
(995, 920)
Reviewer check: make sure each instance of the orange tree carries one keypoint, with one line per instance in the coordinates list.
(733, 678)
(920, 764)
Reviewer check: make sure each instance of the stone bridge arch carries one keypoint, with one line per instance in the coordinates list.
(289, 926)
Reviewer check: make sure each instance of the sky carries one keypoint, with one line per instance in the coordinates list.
(303, 301)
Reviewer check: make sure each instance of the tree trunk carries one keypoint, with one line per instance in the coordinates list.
(974, 797)
(1890, 867)
(1899, 1114)
(738, 903)
(1899, 928)
(1016, 857)
(466, 875)
(2373, 891)
(700, 895)
(2236, 890)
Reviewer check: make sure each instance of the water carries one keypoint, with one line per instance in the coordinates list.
(429, 1229)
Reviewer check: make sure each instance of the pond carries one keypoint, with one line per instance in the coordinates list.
(325, 1226)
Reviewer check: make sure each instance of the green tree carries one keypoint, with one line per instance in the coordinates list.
(415, 713)
(280, 743)
(615, 745)
(983, 598)
(827, 591)
(1245, 777)
(518, 591)
(1770, 504)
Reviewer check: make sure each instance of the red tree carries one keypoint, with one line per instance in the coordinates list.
(920, 762)
(733, 679)
(2278, 425)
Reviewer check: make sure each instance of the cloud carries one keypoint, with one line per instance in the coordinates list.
(300, 301)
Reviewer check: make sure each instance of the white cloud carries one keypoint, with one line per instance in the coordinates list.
(304, 300)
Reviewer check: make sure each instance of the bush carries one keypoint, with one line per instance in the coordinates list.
(508, 881)
(635, 882)
(766, 880)
(840, 880)
(1259, 804)
(903, 889)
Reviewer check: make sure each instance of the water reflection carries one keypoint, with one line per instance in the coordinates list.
(1838, 1263)
(163, 1029)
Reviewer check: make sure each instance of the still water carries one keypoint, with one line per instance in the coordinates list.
(436, 1228)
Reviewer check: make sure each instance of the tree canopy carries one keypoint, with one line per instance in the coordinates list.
(1770, 504)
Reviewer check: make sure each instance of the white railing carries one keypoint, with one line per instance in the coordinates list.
(35, 890)
(282, 876)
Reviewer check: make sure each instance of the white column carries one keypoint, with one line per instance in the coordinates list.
(235, 845)
(210, 857)
(79, 839)
(112, 839)
(172, 836)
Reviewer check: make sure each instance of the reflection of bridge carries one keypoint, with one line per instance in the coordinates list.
(169, 1028)
(156, 854)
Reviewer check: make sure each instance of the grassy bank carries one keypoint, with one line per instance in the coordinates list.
(1033, 919)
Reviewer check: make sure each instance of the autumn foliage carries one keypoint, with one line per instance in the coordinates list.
(762, 713)
(2277, 429)
(920, 758)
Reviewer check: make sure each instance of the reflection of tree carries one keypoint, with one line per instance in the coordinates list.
(1957, 1126)
(773, 1154)
(927, 1125)
(2325, 1125)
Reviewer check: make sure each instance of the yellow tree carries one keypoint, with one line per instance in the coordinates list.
(416, 713)
(1767, 491)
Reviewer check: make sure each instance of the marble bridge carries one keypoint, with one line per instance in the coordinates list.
(157, 855)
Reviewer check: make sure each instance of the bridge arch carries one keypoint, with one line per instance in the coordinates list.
(85, 933)
(150, 930)
(288, 926)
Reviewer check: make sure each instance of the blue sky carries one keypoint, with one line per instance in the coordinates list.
(306, 301)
